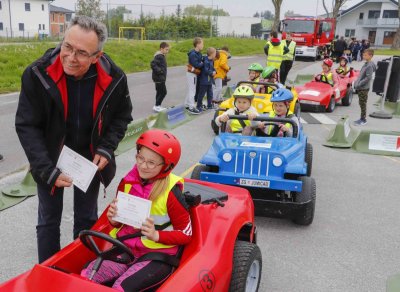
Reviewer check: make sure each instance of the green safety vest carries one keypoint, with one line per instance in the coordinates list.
(327, 78)
(275, 55)
(289, 56)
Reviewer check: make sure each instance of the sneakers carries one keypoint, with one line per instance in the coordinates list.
(360, 122)
(158, 108)
(193, 111)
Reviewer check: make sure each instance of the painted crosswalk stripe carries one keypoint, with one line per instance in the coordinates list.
(303, 121)
(323, 119)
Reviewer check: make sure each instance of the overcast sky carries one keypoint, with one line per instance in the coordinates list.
(233, 7)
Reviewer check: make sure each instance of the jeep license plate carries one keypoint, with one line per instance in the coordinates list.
(254, 183)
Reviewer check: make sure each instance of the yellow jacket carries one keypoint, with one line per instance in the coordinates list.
(221, 65)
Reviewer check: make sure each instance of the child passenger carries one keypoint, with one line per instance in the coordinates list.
(255, 70)
(343, 70)
(280, 99)
(326, 75)
(243, 96)
(168, 226)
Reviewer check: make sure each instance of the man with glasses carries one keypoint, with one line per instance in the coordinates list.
(74, 95)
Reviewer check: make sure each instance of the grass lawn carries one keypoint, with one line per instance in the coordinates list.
(387, 52)
(131, 56)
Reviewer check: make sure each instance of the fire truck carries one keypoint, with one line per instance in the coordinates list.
(312, 35)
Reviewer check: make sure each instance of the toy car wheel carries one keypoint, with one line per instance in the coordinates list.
(214, 126)
(297, 109)
(331, 105)
(309, 158)
(198, 170)
(307, 194)
(247, 265)
(346, 101)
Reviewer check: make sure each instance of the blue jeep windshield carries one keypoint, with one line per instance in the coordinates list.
(299, 26)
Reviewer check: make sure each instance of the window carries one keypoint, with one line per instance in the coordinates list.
(54, 16)
(326, 26)
(61, 28)
(349, 33)
(21, 26)
(42, 7)
(361, 15)
(388, 37)
(44, 27)
(40, 26)
(27, 6)
(1, 26)
(0, 5)
(390, 14)
(373, 14)
(68, 17)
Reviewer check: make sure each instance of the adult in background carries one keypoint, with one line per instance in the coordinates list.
(195, 64)
(340, 47)
(159, 75)
(222, 68)
(74, 95)
(275, 49)
(288, 58)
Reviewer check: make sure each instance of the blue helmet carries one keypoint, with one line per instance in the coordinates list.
(282, 94)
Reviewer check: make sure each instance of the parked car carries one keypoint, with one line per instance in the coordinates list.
(222, 255)
(276, 170)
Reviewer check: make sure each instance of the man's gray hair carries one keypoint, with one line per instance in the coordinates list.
(89, 24)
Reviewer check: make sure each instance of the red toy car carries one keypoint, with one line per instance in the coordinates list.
(319, 96)
(222, 255)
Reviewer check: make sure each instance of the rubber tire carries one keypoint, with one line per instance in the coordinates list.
(245, 255)
(309, 158)
(331, 105)
(346, 101)
(297, 109)
(214, 126)
(307, 193)
(198, 169)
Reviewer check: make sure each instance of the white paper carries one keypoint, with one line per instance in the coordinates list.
(77, 167)
(132, 210)
(384, 142)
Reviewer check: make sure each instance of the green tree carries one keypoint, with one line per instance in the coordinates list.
(289, 13)
(178, 11)
(202, 10)
(90, 8)
(115, 19)
(267, 15)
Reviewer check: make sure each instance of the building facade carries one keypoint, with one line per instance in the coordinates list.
(373, 20)
(24, 18)
(59, 20)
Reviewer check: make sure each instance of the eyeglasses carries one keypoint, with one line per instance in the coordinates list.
(79, 54)
(150, 164)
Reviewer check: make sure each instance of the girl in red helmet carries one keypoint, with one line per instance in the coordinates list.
(326, 74)
(168, 226)
(343, 70)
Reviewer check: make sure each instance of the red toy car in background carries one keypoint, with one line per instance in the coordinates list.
(222, 255)
(320, 96)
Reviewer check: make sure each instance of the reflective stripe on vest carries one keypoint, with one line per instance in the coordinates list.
(275, 56)
(272, 114)
(290, 55)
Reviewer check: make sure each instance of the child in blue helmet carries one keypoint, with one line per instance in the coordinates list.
(280, 99)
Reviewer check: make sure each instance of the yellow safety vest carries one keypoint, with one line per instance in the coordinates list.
(327, 78)
(236, 127)
(290, 55)
(158, 212)
(275, 56)
(272, 114)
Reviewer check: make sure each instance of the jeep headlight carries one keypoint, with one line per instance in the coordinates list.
(277, 161)
(227, 157)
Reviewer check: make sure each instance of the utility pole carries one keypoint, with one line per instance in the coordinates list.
(211, 15)
(9, 11)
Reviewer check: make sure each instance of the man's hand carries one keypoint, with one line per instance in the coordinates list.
(100, 161)
(149, 230)
(63, 181)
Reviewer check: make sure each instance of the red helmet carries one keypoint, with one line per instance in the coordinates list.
(164, 144)
(328, 62)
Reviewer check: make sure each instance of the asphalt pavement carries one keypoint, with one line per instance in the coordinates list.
(352, 245)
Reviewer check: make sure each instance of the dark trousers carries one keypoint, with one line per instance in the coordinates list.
(284, 71)
(362, 100)
(161, 92)
(203, 90)
(50, 213)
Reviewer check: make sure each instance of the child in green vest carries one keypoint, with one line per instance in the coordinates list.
(168, 226)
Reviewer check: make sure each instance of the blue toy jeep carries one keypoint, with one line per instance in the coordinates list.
(276, 170)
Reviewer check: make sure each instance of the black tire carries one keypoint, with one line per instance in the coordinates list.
(309, 158)
(198, 170)
(214, 126)
(331, 105)
(297, 109)
(346, 101)
(247, 267)
(307, 193)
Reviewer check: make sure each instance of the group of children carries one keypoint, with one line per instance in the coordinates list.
(327, 75)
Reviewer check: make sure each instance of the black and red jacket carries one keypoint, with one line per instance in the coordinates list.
(43, 107)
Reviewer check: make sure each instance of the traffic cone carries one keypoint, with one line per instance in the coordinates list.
(343, 136)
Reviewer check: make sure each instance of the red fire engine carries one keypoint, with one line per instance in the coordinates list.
(312, 35)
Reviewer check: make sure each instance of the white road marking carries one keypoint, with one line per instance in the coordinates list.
(323, 119)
